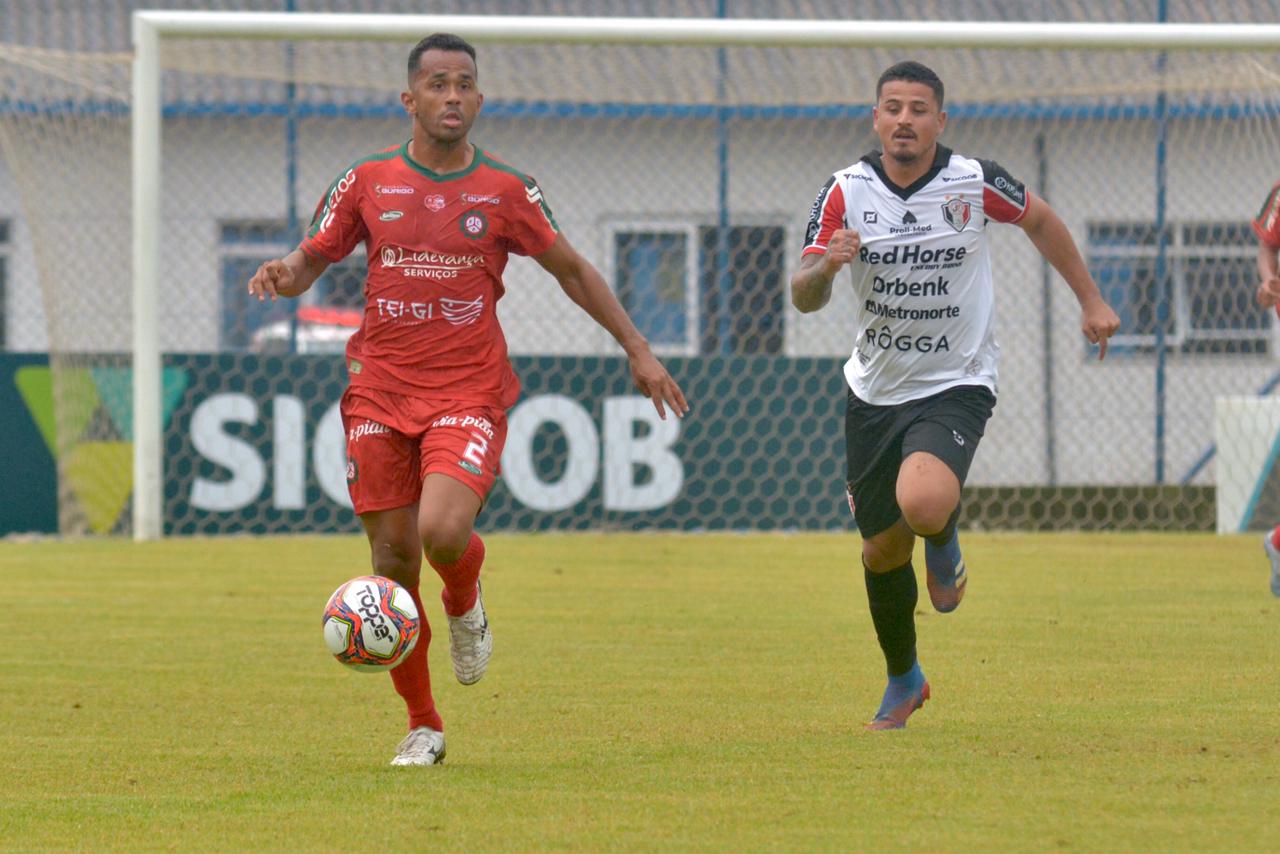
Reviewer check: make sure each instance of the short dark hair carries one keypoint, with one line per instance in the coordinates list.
(912, 72)
(438, 41)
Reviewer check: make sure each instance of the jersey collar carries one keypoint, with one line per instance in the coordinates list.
(437, 176)
(941, 157)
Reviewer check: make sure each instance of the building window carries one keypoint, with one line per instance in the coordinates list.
(655, 279)
(665, 275)
(1207, 288)
(755, 282)
(321, 321)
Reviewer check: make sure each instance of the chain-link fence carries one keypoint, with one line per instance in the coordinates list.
(685, 174)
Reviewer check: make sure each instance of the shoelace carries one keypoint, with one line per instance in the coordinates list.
(473, 620)
(416, 743)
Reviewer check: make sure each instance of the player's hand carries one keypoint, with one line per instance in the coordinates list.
(271, 278)
(1098, 324)
(656, 384)
(841, 249)
(1269, 292)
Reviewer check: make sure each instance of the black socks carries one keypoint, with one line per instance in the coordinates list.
(892, 596)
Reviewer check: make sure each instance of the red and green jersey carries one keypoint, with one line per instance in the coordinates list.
(437, 246)
(1267, 223)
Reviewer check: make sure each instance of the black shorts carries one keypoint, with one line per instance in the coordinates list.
(877, 439)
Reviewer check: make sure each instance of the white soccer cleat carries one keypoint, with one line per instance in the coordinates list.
(422, 746)
(470, 642)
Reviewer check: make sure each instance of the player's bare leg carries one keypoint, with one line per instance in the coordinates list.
(396, 552)
(446, 517)
(892, 595)
(929, 494)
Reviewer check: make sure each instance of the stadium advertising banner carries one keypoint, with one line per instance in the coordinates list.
(28, 455)
(256, 444)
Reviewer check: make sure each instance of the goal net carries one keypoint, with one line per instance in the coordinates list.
(682, 162)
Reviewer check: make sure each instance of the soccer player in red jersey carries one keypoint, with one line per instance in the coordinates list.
(430, 378)
(1267, 226)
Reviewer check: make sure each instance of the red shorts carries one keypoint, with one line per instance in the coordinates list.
(394, 441)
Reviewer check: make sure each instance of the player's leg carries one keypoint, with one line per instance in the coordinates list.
(460, 454)
(446, 526)
(396, 553)
(937, 450)
(383, 480)
(892, 595)
(456, 552)
(929, 494)
(873, 436)
(1271, 545)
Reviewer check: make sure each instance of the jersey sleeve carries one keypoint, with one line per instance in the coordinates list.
(1267, 223)
(826, 215)
(337, 227)
(1004, 198)
(533, 226)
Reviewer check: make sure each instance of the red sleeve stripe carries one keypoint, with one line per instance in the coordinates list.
(1002, 207)
(827, 217)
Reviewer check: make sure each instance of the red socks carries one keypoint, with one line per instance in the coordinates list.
(413, 680)
(459, 595)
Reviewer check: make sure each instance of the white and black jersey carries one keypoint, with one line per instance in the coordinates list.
(922, 278)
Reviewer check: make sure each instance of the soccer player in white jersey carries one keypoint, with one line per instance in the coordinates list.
(910, 223)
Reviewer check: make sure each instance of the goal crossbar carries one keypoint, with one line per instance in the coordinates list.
(714, 31)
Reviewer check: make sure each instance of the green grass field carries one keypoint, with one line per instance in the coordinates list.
(647, 692)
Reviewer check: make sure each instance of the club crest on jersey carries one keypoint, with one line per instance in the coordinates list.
(956, 213)
(870, 217)
(434, 203)
(474, 224)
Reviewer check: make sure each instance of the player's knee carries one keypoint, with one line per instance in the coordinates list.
(398, 562)
(884, 555)
(926, 515)
(879, 560)
(445, 540)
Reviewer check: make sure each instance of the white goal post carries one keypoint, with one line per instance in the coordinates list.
(151, 29)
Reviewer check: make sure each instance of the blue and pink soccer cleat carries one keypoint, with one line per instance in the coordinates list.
(905, 694)
(945, 574)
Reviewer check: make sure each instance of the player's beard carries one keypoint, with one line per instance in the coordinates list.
(905, 158)
(445, 136)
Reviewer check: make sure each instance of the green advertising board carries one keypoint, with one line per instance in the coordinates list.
(255, 444)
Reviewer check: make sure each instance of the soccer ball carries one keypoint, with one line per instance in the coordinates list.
(371, 623)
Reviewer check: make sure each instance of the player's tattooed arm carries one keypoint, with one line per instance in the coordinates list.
(289, 276)
(811, 284)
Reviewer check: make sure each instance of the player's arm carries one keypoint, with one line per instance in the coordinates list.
(289, 276)
(584, 285)
(1053, 240)
(811, 284)
(1268, 274)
